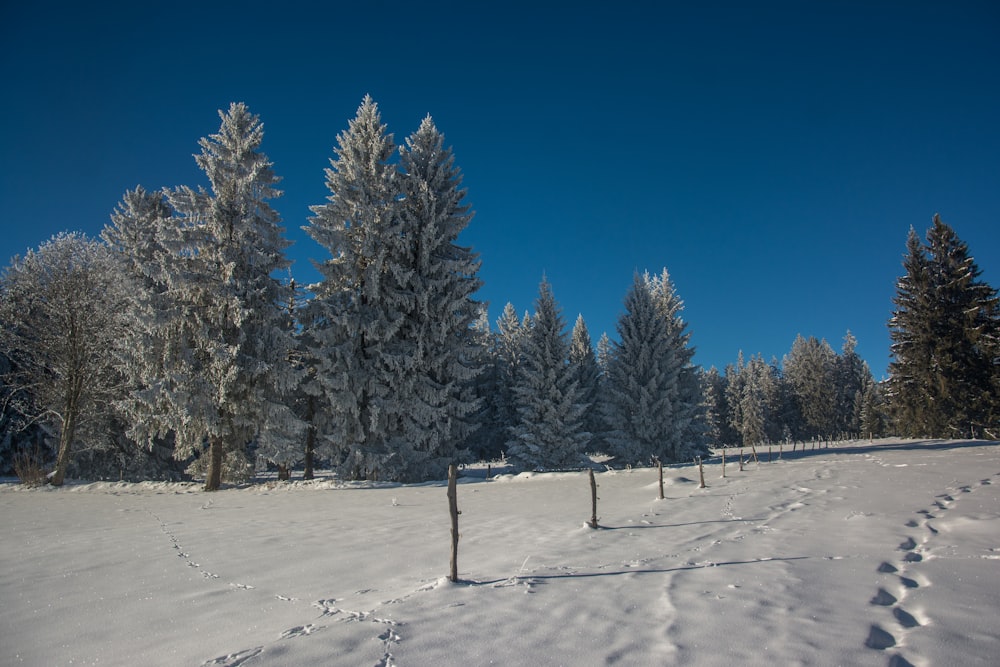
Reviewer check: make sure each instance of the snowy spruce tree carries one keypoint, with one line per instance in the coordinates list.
(506, 346)
(810, 371)
(351, 326)
(583, 362)
(648, 406)
(690, 412)
(440, 279)
(216, 371)
(549, 431)
(944, 378)
(851, 375)
(394, 316)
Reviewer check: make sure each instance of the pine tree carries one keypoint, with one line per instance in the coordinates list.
(851, 373)
(650, 408)
(872, 417)
(735, 380)
(587, 374)
(438, 280)
(505, 348)
(943, 375)
(715, 405)
(219, 372)
(689, 416)
(810, 370)
(549, 432)
(353, 331)
(138, 236)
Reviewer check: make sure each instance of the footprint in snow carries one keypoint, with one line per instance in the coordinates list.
(908, 544)
(905, 618)
(879, 639)
(884, 598)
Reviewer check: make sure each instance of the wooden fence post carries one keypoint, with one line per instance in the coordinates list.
(659, 466)
(593, 501)
(453, 510)
(723, 461)
(701, 474)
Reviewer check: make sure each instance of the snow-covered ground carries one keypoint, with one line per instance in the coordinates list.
(859, 554)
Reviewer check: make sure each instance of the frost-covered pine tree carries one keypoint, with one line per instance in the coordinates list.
(715, 405)
(735, 380)
(603, 354)
(653, 405)
(496, 385)
(944, 373)
(641, 386)
(690, 414)
(438, 280)
(549, 432)
(353, 328)
(395, 314)
(139, 227)
(810, 370)
(851, 373)
(220, 372)
(583, 362)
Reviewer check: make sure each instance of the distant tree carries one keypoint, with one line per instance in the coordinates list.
(945, 330)
(61, 317)
(690, 415)
(735, 381)
(549, 432)
(715, 404)
(851, 373)
(587, 373)
(810, 370)
(872, 417)
(604, 351)
(762, 403)
(649, 406)
(508, 346)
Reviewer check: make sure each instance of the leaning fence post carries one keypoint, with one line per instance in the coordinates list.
(453, 510)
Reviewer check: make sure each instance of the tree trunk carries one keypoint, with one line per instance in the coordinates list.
(213, 478)
(66, 435)
(284, 474)
(453, 511)
(310, 438)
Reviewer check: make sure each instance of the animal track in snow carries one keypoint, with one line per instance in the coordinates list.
(234, 659)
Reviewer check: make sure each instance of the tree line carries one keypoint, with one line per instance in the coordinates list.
(174, 343)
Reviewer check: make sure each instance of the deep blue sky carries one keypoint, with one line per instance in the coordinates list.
(771, 158)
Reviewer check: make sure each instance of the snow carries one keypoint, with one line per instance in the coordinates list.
(860, 554)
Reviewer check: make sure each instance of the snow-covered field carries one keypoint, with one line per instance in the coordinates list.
(859, 554)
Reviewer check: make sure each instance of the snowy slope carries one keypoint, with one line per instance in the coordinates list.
(854, 555)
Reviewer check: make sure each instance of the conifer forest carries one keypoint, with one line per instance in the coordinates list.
(178, 346)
